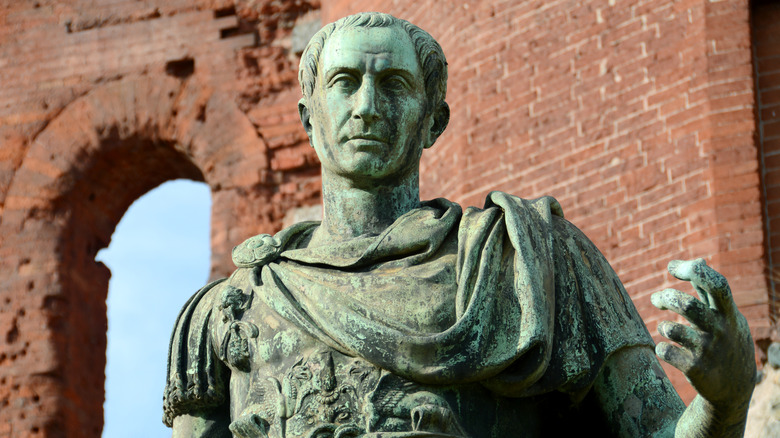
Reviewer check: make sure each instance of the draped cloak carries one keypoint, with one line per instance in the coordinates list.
(536, 306)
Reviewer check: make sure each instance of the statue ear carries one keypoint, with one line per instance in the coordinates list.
(441, 118)
(305, 114)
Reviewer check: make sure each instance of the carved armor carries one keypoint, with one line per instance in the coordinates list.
(409, 333)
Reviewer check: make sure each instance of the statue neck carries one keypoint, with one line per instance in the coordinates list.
(351, 210)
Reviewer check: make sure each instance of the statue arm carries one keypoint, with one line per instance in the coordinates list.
(638, 400)
(196, 390)
(715, 353)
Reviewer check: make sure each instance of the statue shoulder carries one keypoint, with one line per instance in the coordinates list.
(264, 248)
(196, 378)
(589, 295)
(209, 341)
(592, 299)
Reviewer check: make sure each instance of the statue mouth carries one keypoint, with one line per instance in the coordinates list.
(372, 137)
(367, 141)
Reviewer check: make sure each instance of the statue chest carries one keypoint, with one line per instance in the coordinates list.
(298, 387)
(289, 384)
(286, 382)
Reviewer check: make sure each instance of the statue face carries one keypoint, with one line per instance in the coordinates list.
(366, 117)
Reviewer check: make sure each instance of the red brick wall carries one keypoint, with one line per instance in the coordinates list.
(636, 115)
(766, 52)
(101, 102)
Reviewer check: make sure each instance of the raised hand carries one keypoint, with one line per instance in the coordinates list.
(716, 351)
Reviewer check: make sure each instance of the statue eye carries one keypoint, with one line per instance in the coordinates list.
(394, 83)
(344, 81)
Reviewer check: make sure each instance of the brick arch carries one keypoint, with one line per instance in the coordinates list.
(76, 180)
(123, 119)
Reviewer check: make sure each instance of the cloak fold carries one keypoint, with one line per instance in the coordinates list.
(515, 260)
(537, 307)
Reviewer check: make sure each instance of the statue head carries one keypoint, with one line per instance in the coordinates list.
(428, 51)
(373, 96)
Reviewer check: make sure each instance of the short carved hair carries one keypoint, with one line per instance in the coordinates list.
(429, 54)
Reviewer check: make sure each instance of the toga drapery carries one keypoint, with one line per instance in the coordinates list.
(534, 306)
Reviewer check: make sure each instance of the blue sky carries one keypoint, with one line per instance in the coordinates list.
(158, 256)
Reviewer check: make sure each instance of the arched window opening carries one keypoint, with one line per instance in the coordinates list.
(158, 256)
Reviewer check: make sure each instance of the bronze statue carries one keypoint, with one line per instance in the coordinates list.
(399, 318)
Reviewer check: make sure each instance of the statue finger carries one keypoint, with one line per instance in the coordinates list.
(712, 287)
(689, 307)
(681, 334)
(675, 356)
(716, 286)
(685, 270)
(682, 269)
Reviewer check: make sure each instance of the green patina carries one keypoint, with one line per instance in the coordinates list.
(399, 318)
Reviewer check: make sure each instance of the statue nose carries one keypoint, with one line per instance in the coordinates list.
(365, 103)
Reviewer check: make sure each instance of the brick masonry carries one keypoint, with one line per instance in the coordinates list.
(641, 117)
(766, 58)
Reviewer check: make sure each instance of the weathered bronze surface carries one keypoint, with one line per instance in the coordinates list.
(399, 318)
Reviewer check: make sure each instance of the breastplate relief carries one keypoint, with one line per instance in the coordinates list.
(327, 394)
